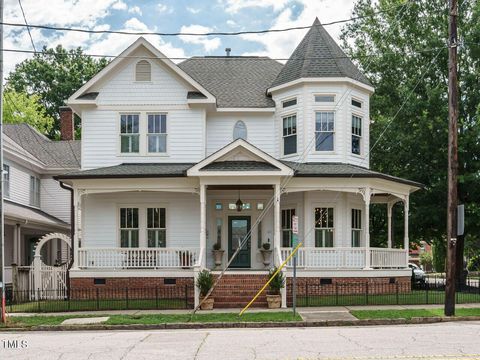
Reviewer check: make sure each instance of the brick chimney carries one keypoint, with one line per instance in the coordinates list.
(67, 131)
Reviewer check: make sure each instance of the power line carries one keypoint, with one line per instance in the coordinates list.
(214, 33)
(26, 23)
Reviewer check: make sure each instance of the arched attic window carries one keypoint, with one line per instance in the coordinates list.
(143, 71)
(240, 130)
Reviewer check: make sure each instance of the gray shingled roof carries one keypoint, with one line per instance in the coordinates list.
(237, 82)
(128, 170)
(55, 154)
(342, 170)
(24, 212)
(239, 166)
(318, 56)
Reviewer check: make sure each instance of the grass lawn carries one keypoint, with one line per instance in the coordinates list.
(409, 313)
(28, 321)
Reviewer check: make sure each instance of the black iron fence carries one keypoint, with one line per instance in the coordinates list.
(161, 298)
(372, 293)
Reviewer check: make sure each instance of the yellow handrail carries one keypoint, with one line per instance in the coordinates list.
(271, 278)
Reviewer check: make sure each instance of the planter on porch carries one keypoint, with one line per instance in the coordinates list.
(274, 301)
(217, 254)
(267, 257)
(277, 283)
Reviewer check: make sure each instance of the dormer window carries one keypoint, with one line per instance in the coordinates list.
(240, 130)
(143, 71)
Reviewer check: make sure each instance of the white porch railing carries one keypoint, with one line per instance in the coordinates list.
(345, 258)
(137, 258)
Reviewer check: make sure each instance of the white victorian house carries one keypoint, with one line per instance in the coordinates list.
(177, 158)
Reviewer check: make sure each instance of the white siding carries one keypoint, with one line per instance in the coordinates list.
(101, 213)
(260, 130)
(19, 183)
(55, 200)
(101, 139)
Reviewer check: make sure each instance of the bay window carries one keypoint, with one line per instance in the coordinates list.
(356, 134)
(324, 227)
(324, 130)
(289, 134)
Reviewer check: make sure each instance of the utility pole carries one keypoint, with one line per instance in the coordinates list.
(452, 158)
(2, 233)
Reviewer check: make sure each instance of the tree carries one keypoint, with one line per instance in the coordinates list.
(54, 75)
(20, 108)
(401, 46)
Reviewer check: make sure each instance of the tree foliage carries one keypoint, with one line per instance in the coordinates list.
(54, 75)
(20, 108)
(401, 46)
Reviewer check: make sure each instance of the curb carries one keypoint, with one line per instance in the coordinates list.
(243, 325)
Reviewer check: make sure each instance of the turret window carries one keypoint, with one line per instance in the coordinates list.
(324, 130)
(289, 134)
(356, 134)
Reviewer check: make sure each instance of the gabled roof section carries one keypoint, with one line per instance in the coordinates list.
(318, 56)
(83, 95)
(259, 162)
(235, 81)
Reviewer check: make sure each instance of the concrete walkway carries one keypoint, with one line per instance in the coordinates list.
(307, 313)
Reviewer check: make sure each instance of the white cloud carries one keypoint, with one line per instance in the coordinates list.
(135, 10)
(164, 9)
(120, 5)
(209, 44)
(193, 10)
(234, 6)
(281, 45)
(231, 23)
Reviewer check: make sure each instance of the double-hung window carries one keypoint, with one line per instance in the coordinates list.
(356, 134)
(287, 227)
(157, 133)
(129, 133)
(34, 191)
(129, 227)
(6, 180)
(356, 227)
(156, 227)
(289, 134)
(324, 130)
(324, 227)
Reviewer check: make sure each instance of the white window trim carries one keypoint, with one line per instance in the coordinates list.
(326, 152)
(335, 216)
(289, 108)
(35, 194)
(119, 133)
(285, 208)
(361, 137)
(167, 144)
(325, 103)
(357, 229)
(120, 228)
(282, 146)
(7, 181)
(142, 222)
(360, 101)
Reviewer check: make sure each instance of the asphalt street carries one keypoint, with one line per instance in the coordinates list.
(455, 340)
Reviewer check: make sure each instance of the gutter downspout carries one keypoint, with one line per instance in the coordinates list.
(72, 233)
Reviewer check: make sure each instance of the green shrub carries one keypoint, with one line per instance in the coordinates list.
(439, 254)
(204, 281)
(426, 260)
(474, 263)
(277, 283)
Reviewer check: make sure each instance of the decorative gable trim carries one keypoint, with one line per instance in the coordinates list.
(369, 89)
(237, 146)
(72, 100)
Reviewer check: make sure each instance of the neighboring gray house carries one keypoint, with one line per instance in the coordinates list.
(35, 204)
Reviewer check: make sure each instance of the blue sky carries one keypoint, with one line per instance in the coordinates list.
(170, 16)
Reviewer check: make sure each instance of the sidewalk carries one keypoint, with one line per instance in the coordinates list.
(309, 314)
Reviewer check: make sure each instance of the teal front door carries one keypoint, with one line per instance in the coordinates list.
(238, 229)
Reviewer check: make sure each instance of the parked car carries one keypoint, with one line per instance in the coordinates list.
(418, 275)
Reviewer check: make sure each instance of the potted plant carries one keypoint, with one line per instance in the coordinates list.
(218, 254)
(204, 284)
(277, 283)
(266, 254)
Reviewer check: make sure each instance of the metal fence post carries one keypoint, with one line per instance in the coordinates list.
(38, 299)
(336, 293)
(366, 293)
(306, 293)
(98, 303)
(126, 297)
(426, 293)
(156, 297)
(398, 302)
(186, 296)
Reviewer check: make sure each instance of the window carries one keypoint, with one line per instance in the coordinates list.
(240, 130)
(357, 103)
(129, 133)
(156, 228)
(287, 227)
(34, 191)
(143, 71)
(290, 134)
(260, 206)
(6, 181)
(324, 130)
(356, 227)
(290, 102)
(324, 227)
(356, 134)
(129, 227)
(325, 98)
(245, 206)
(157, 133)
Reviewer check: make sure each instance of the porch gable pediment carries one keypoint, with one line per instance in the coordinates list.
(237, 157)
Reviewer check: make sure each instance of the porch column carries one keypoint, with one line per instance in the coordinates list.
(406, 240)
(276, 224)
(366, 197)
(16, 244)
(203, 225)
(389, 215)
(76, 238)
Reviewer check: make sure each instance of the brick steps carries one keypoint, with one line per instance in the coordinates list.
(236, 291)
